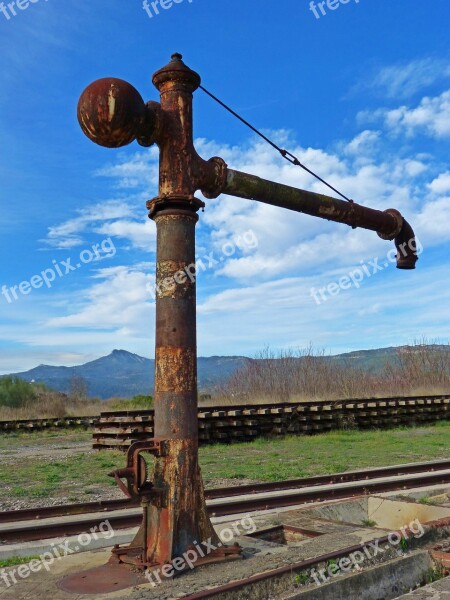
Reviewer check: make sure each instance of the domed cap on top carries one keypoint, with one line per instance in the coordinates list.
(176, 70)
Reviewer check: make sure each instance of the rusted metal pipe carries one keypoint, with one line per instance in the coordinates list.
(178, 519)
(389, 224)
(112, 113)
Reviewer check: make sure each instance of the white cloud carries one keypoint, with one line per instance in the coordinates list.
(68, 234)
(441, 184)
(141, 234)
(133, 171)
(390, 308)
(433, 223)
(115, 217)
(120, 302)
(431, 117)
(403, 80)
(364, 143)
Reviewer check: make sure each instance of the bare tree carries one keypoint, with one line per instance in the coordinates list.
(78, 388)
(293, 375)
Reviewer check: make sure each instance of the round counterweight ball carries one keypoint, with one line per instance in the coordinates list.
(111, 112)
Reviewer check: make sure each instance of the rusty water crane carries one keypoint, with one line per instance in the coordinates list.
(112, 113)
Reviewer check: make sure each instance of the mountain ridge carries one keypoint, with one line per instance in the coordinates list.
(125, 374)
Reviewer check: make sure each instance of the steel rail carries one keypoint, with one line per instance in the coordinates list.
(29, 514)
(259, 502)
(65, 510)
(346, 477)
(224, 506)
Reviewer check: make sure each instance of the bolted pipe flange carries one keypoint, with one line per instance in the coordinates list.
(215, 177)
(173, 203)
(151, 129)
(399, 224)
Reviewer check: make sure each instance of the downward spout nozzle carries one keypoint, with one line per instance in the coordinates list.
(405, 240)
(406, 245)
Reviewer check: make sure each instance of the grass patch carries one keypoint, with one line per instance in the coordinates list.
(17, 560)
(136, 403)
(45, 477)
(425, 500)
(261, 460)
(17, 440)
(369, 523)
(305, 456)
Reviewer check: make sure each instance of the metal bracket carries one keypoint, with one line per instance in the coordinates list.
(136, 472)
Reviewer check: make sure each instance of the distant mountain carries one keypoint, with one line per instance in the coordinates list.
(373, 361)
(124, 374)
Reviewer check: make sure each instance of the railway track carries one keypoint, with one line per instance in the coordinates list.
(55, 423)
(228, 424)
(43, 523)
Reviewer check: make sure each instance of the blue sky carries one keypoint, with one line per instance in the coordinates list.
(361, 94)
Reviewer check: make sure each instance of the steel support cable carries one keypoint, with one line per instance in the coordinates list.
(284, 153)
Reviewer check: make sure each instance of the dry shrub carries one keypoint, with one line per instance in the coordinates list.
(293, 376)
(51, 404)
(419, 368)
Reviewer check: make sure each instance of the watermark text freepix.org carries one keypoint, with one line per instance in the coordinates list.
(9, 577)
(356, 276)
(368, 551)
(245, 526)
(320, 9)
(47, 277)
(247, 241)
(152, 7)
(9, 9)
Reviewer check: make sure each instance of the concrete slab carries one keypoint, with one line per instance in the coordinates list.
(43, 585)
(380, 512)
(440, 590)
(337, 486)
(417, 493)
(382, 581)
(38, 547)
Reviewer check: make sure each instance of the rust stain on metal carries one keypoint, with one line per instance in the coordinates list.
(111, 112)
(175, 370)
(173, 279)
(168, 218)
(108, 578)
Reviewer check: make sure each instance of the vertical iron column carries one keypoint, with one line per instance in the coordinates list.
(180, 519)
(112, 113)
